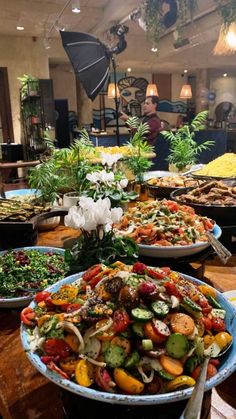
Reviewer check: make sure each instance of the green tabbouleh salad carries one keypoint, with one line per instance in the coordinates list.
(29, 269)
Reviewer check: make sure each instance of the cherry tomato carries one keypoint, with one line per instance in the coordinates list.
(204, 304)
(218, 325)
(27, 316)
(121, 321)
(95, 280)
(173, 206)
(47, 359)
(207, 323)
(211, 371)
(55, 346)
(41, 296)
(91, 272)
(215, 362)
(139, 268)
(158, 275)
(208, 224)
(171, 289)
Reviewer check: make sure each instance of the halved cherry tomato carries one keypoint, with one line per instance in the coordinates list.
(91, 272)
(104, 380)
(46, 359)
(208, 224)
(158, 275)
(173, 206)
(65, 295)
(27, 316)
(171, 289)
(107, 334)
(69, 308)
(218, 324)
(41, 296)
(207, 323)
(55, 346)
(139, 268)
(121, 321)
(204, 304)
(211, 371)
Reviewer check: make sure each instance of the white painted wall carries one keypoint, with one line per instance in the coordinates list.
(225, 89)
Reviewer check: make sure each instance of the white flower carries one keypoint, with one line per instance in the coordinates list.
(89, 215)
(106, 177)
(75, 218)
(116, 214)
(123, 183)
(110, 159)
(93, 177)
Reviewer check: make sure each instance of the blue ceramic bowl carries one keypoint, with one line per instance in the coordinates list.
(227, 367)
(24, 301)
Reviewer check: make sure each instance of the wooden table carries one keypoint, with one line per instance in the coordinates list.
(26, 394)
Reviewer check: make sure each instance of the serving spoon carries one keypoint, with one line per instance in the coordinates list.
(194, 405)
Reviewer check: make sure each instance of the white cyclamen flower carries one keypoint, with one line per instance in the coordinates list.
(75, 218)
(110, 159)
(123, 183)
(106, 177)
(116, 214)
(93, 177)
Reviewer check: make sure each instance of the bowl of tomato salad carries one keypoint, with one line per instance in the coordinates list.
(133, 335)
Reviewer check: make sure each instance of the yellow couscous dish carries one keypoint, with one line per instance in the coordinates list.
(224, 166)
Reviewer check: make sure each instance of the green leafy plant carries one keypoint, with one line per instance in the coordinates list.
(154, 17)
(65, 170)
(138, 162)
(29, 85)
(90, 249)
(183, 149)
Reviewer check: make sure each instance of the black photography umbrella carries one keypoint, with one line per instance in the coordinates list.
(90, 59)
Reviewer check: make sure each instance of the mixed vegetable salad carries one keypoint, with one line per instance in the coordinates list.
(164, 223)
(22, 271)
(128, 329)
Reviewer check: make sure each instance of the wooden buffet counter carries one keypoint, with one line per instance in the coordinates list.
(26, 394)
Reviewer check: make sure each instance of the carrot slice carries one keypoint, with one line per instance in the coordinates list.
(171, 365)
(182, 323)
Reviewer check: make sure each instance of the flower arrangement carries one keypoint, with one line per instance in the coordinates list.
(97, 242)
(109, 182)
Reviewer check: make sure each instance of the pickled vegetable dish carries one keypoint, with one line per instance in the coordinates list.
(164, 223)
(21, 270)
(128, 329)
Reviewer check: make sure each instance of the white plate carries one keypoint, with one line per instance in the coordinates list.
(177, 251)
(24, 301)
(231, 297)
(21, 193)
(227, 367)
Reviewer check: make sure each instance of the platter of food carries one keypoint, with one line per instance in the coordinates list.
(221, 168)
(166, 229)
(137, 337)
(214, 199)
(163, 186)
(24, 270)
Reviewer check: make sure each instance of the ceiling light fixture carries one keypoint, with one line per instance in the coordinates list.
(20, 28)
(225, 75)
(226, 44)
(154, 49)
(186, 92)
(152, 90)
(46, 43)
(75, 6)
(129, 70)
(185, 70)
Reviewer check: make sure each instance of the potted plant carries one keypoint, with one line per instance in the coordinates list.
(184, 151)
(29, 85)
(138, 162)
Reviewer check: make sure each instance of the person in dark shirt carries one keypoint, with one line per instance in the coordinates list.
(150, 117)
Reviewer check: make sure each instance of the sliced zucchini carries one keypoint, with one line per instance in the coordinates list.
(177, 345)
(114, 356)
(141, 314)
(160, 308)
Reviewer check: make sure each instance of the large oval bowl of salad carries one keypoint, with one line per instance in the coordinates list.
(26, 270)
(131, 335)
(166, 229)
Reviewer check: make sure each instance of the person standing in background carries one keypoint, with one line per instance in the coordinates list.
(150, 117)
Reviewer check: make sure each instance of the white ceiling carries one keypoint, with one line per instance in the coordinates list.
(97, 16)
